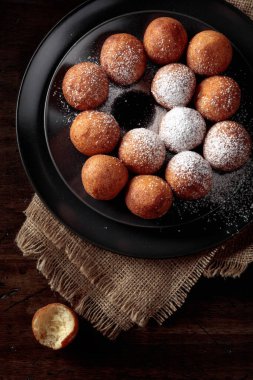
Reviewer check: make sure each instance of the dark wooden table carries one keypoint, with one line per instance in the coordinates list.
(211, 337)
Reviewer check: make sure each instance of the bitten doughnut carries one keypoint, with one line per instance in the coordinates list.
(55, 325)
(227, 146)
(142, 151)
(218, 98)
(173, 85)
(85, 86)
(209, 53)
(103, 177)
(148, 196)
(165, 40)
(189, 175)
(123, 58)
(94, 132)
(182, 128)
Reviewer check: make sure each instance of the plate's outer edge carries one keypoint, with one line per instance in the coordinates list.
(37, 162)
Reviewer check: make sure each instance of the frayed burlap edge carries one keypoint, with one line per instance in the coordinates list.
(125, 302)
(233, 257)
(53, 248)
(73, 285)
(180, 296)
(225, 269)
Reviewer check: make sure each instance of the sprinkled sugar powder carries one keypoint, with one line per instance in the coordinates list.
(191, 166)
(182, 128)
(85, 86)
(173, 85)
(223, 99)
(142, 150)
(123, 58)
(218, 98)
(125, 63)
(227, 146)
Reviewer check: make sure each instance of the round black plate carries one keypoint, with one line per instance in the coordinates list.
(229, 215)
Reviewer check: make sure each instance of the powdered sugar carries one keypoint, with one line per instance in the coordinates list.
(226, 185)
(94, 132)
(124, 69)
(192, 167)
(218, 98)
(173, 85)
(227, 146)
(142, 150)
(226, 97)
(182, 128)
(64, 114)
(153, 188)
(159, 113)
(114, 92)
(85, 86)
(123, 58)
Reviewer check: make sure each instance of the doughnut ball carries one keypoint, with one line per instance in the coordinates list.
(182, 128)
(218, 98)
(85, 86)
(123, 58)
(142, 151)
(94, 132)
(103, 177)
(209, 53)
(165, 40)
(189, 175)
(149, 196)
(55, 325)
(173, 85)
(227, 146)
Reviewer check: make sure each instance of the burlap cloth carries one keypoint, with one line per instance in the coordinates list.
(115, 292)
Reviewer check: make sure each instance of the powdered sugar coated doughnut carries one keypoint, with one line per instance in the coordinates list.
(142, 151)
(182, 128)
(189, 175)
(227, 146)
(173, 85)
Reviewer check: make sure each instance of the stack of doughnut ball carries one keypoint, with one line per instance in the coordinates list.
(123, 58)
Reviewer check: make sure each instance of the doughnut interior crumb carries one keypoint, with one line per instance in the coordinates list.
(54, 325)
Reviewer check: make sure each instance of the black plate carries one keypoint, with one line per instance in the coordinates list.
(204, 229)
(133, 106)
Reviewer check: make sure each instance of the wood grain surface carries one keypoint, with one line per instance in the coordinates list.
(210, 337)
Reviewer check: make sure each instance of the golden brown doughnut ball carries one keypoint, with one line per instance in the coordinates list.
(227, 146)
(123, 58)
(189, 175)
(209, 53)
(218, 98)
(165, 40)
(94, 132)
(149, 196)
(103, 177)
(142, 151)
(85, 86)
